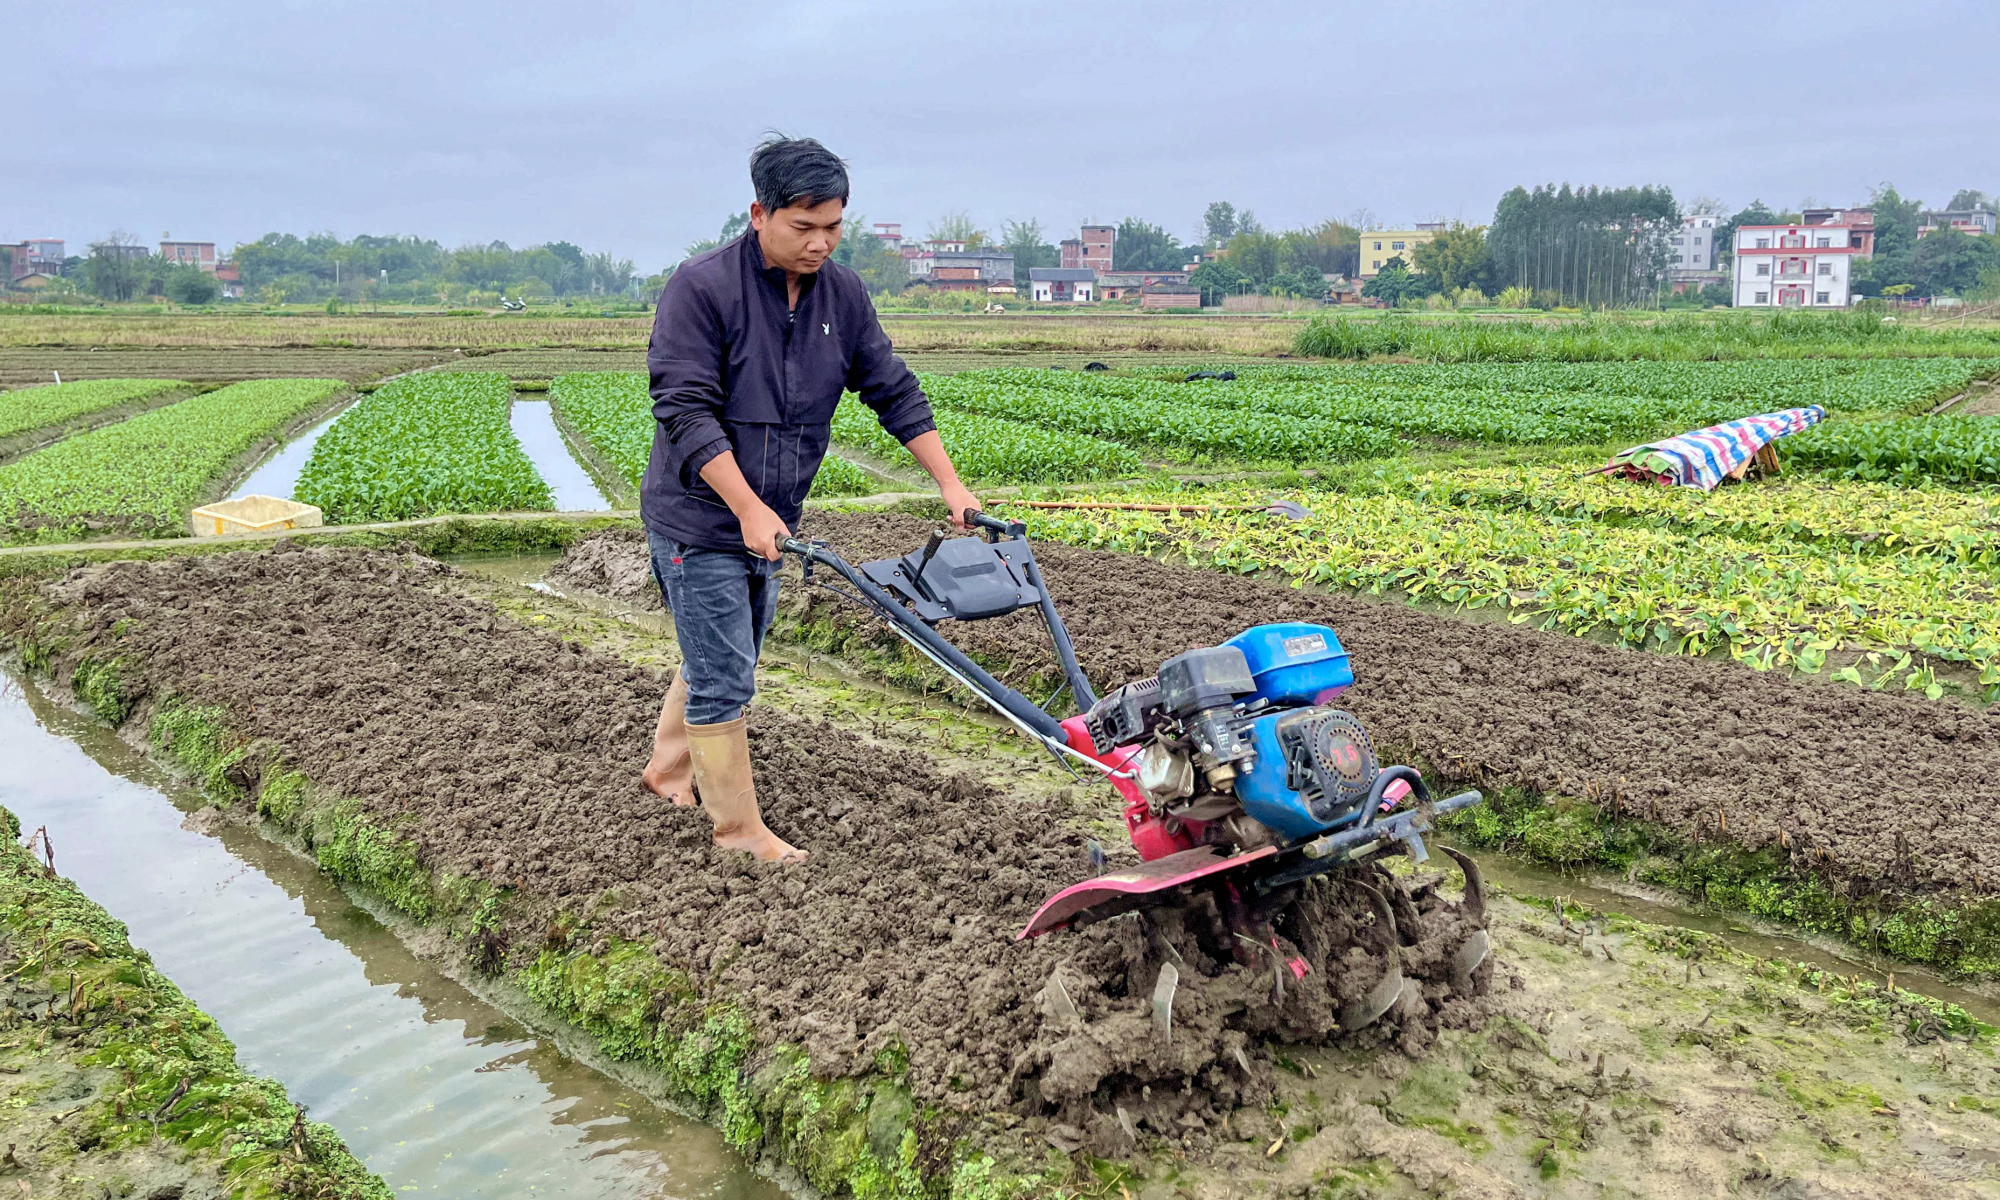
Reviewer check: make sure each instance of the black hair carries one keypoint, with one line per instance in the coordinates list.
(786, 171)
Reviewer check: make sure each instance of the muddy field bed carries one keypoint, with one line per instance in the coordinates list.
(1830, 774)
(509, 755)
(506, 755)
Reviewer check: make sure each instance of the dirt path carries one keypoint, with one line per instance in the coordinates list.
(1678, 739)
(1629, 1060)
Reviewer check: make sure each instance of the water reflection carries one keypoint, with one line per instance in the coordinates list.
(535, 428)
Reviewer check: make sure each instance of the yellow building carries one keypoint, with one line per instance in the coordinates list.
(1380, 245)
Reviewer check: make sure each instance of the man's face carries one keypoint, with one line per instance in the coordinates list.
(797, 238)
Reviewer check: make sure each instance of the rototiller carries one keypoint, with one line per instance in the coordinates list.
(1240, 778)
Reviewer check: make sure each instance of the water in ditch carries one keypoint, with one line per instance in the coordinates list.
(278, 475)
(437, 1091)
(535, 428)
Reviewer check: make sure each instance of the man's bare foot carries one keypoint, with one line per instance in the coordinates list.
(673, 782)
(762, 843)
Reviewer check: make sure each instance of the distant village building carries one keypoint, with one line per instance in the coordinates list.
(1062, 285)
(1380, 245)
(949, 266)
(1859, 222)
(890, 234)
(1979, 222)
(40, 258)
(1120, 285)
(1170, 295)
(191, 254)
(130, 251)
(231, 280)
(1092, 249)
(1691, 256)
(1800, 266)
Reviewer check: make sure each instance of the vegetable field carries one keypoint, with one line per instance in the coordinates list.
(1177, 420)
(993, 450)
(56, 405)
(424, 444)
(613, 412)
(143, 475)
(1876, 518)
(1941, 449)
(1745, 575)
(1038, 426)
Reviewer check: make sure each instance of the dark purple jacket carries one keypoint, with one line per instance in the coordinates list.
(732, 372)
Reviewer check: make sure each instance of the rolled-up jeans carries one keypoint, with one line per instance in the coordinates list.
(723, 602)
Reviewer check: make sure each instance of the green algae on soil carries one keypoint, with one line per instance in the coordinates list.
(112, 1083)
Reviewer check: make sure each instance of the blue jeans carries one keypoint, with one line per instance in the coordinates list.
(723, 602)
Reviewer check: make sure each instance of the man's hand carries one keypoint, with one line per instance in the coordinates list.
(957, 499)
(763, 530)
(928, 449)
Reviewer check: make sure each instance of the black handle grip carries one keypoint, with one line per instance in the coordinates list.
(979, 520)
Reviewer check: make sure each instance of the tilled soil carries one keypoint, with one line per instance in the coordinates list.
(507, 754)
(1831, 772)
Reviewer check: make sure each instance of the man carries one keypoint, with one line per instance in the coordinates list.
(752, 346)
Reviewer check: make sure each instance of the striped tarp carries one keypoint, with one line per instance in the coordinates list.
(1706, 457)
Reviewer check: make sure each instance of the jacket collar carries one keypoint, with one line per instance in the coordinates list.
(753, 252)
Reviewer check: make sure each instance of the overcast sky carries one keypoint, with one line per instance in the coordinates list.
(624, 127)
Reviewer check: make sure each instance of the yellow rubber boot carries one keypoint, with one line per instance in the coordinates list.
(721, 754)
(670, 773)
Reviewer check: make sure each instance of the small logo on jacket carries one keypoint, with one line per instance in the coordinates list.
(826, 329)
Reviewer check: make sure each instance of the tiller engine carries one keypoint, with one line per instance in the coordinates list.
(1243, 783)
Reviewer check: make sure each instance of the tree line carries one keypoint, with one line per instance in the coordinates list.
(281, 268)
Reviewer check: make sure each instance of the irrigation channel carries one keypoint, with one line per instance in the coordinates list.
(279, 474)
(535, 428)
(436, 1090)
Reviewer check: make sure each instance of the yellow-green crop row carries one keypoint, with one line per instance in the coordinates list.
(1772, 602)
(613, 412)
(143, 475)
(54, 404)
(1877, 517)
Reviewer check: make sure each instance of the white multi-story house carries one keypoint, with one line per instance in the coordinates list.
(1691, 255)
(1796, 266)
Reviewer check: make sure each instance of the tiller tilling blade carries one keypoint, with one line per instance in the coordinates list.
(1389, 988)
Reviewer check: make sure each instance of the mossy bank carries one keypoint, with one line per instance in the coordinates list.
(113, 1084)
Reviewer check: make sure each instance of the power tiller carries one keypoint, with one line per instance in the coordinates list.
(1241, 780)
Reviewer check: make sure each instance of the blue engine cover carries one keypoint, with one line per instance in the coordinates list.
(1294, 663)
(1311, 774)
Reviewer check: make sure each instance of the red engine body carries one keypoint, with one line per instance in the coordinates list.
(1152, 836)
